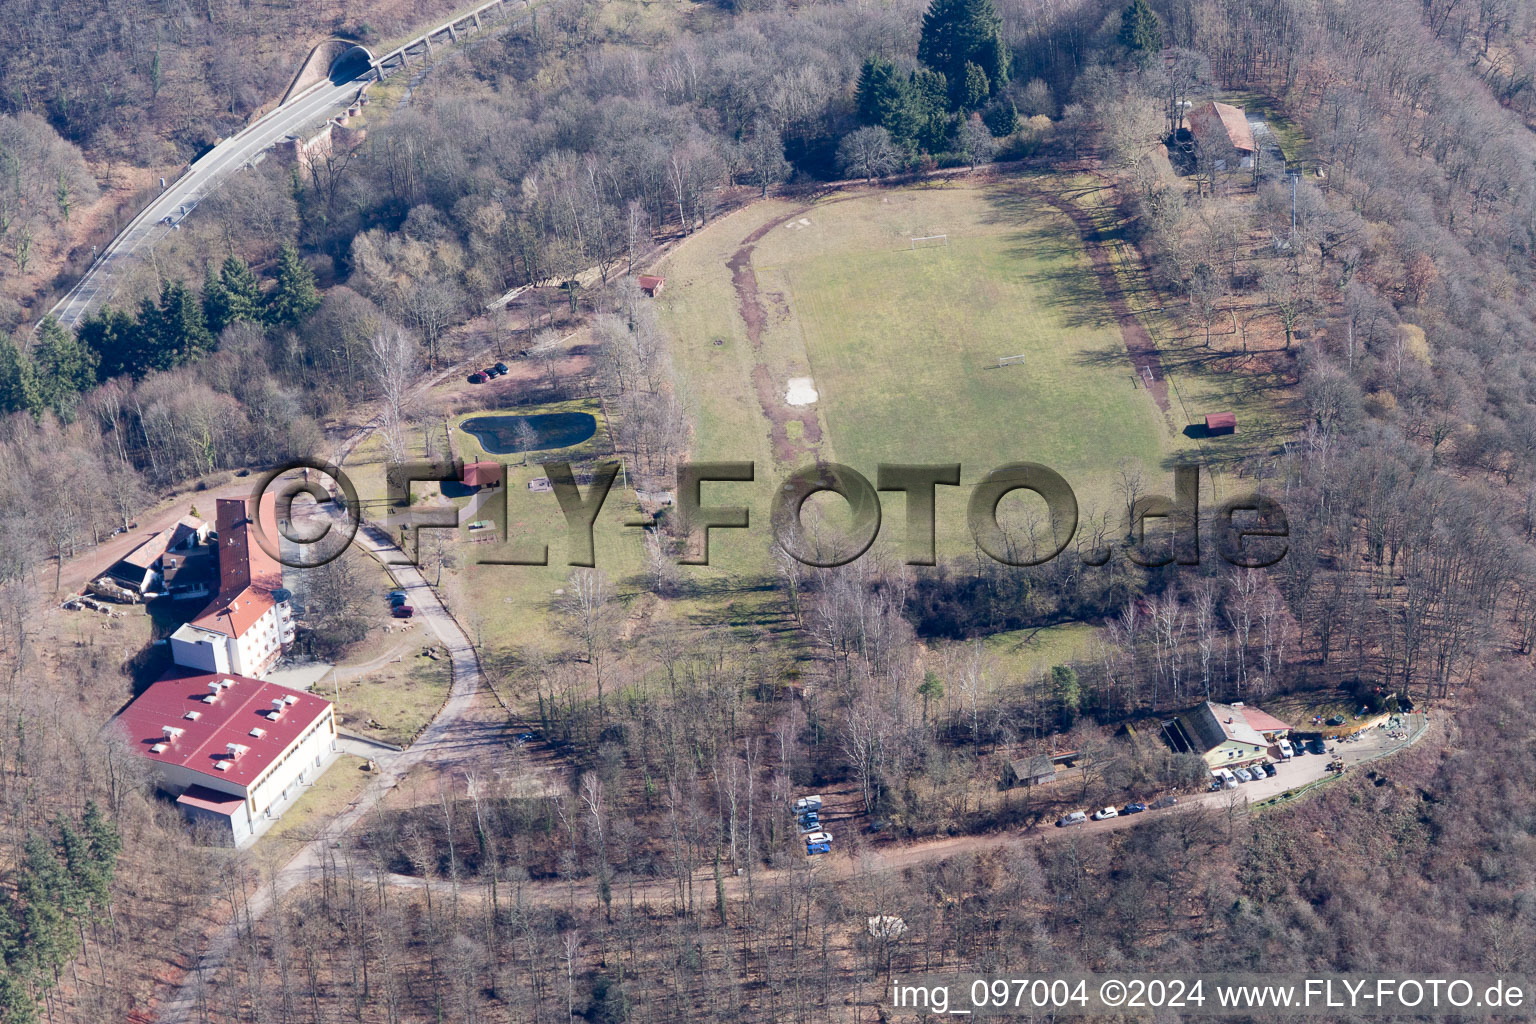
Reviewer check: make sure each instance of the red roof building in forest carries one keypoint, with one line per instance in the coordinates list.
(248, 624)
(1223, 135)
(235, 751)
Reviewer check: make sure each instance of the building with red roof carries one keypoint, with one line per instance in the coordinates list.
(1223, 134)
(234, 750)
(247, 626)
(480, 474)
(651, 284)
(1221, 423)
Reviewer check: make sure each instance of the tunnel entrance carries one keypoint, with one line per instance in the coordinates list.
(353, 63)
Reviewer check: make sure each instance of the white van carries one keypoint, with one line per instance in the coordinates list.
(1286, 750)
(1228, 779)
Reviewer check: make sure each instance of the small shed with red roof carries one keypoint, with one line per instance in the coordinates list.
(1220, 423)
(651, 284)
(480, 474)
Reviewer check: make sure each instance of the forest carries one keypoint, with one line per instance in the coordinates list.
(1392, 293)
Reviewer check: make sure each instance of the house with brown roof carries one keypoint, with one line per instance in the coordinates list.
(248, 624)
(1222, 135)
(651, 284)
(1217, 423)
(480, 474)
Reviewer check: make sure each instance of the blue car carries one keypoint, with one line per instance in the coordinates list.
(396, 598)
(1135, 808)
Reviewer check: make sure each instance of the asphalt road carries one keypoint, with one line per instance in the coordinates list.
(308, 110)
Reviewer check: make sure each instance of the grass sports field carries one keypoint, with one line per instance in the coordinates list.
(902, 343)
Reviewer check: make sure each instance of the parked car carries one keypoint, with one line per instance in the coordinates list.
(490, 371)
(1133, 808)
(1075, 818)
(1164, 801)
(1242, 775)
(807, 803)
(476, 378)
(525, 737)
(1105, 814)
(812, 849)
(1286, 752)
(501, 367)
(1317, 746)
(396, 597)
(402, 611)
(1269, 769)
(819, 837)
(810, 823)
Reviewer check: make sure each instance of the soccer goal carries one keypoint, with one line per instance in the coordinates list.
(1003, 361)
(930, 242)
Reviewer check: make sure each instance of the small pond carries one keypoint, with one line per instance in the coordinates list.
(534, 432)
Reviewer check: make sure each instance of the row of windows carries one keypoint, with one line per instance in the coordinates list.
(327, 720)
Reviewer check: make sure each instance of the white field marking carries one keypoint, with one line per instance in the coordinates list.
(802, 391)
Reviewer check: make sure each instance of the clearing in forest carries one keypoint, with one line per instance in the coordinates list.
(903, 342)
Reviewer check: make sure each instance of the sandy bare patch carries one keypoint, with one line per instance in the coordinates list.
(802, 391)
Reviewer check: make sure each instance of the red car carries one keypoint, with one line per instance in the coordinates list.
(402, 611)
(477, 378)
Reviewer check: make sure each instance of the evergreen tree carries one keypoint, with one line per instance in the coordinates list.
(63, 365)
(18, 381)
(912, 107)
(1069, 693)
(1003, 119)
(232, 296)
(177, 333)
(883, 97)
(295, 296)
(957, 32)
(117, 340)
(44, 891)
(15, 1007)
(976, 89)
(1140, 31)
(216, 301)
(930, 108)
(90, 860)
(106, 841)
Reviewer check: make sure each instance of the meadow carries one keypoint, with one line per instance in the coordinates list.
(902, 344)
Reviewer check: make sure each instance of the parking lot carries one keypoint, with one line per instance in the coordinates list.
(1298, 773)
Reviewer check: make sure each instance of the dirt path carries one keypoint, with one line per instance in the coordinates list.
(749, 303)
(858, 859)
(1138, 342)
